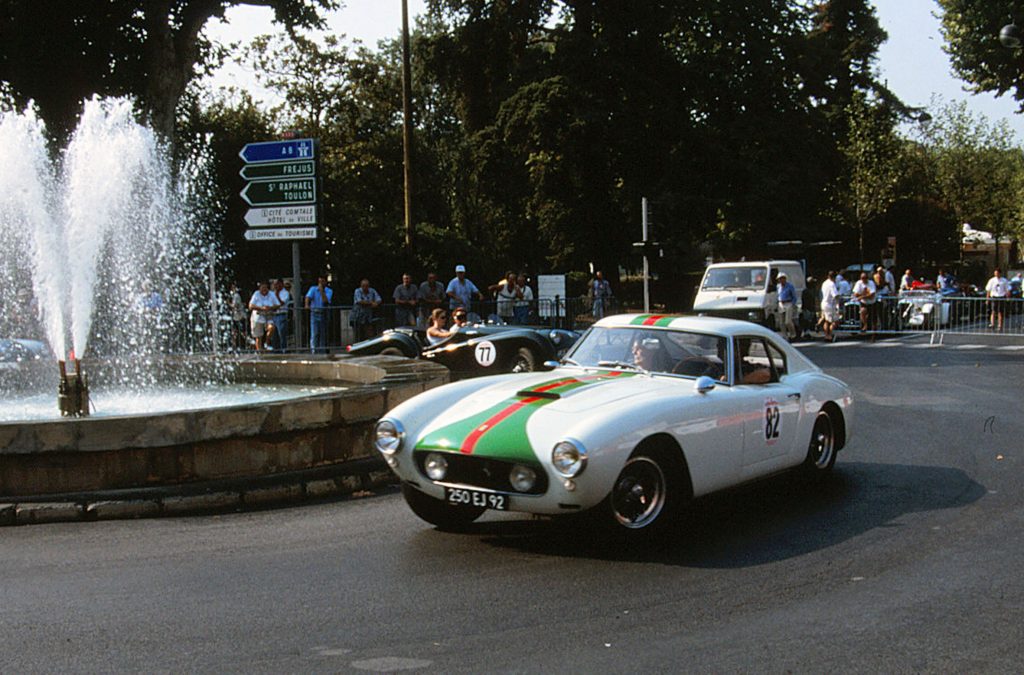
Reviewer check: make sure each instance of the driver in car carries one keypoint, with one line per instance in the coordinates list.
(649, 354)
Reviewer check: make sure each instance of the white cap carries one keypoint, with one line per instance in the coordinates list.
(460, 268)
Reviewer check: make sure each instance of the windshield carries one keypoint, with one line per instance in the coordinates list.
(674, 352)
(752, 278)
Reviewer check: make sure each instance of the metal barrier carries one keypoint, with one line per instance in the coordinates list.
(339, 326)
(931, 312)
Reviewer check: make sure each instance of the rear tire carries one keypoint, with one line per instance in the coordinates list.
(392, 351)
(821, 451)
(438, 513)
(524, 361)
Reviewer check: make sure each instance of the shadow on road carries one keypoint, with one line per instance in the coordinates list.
(772, 520)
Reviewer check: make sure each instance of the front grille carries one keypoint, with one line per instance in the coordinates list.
(482, 472)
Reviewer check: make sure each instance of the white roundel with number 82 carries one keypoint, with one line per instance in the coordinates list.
(485, 353)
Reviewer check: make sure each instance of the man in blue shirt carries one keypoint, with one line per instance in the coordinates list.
(318, 299)
(787, 307)
(461, 290)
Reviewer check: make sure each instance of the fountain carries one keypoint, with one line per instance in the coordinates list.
(106, 255)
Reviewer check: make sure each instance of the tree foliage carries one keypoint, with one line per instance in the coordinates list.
(971, 29)
(59, 53)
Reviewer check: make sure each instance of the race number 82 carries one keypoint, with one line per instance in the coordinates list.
(772, 420)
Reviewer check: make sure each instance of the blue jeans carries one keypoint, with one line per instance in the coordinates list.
(318, 331)
(281, 330)
(598, 308)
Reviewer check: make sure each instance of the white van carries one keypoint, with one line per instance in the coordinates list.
(747, 290)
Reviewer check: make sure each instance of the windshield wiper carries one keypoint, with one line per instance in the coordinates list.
(571, 362)
(621, 364)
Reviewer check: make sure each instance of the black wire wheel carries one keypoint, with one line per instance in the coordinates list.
(524, 361)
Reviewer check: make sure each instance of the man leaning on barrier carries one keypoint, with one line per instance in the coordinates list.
(318, 300)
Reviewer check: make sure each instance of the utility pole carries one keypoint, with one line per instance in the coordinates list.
(407, 125)
(647, 289)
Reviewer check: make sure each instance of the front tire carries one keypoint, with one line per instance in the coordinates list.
(821, 451)
(438, 513)
(392, 351)
(648, 495)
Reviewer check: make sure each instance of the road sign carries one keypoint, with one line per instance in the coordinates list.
(302, 169)
(278, 233)
(276, 151)
(281, 216)
(280, 192)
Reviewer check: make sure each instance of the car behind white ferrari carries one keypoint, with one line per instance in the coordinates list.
(645, 413)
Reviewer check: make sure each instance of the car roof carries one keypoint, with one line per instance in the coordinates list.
(699, 324)
(754, 263)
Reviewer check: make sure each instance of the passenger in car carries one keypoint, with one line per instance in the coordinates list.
(750, 372)
(437, 332)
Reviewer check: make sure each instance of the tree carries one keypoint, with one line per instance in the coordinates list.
(977, 169)
(59, 53)
(971, 29)
(874, 164)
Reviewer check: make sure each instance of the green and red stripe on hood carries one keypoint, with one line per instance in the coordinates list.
(500, 431)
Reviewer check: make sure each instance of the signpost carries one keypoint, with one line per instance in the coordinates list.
(277, 151)
(283, 188)
(281, 216)
(281, 233)
(303, 169)
(280, 192)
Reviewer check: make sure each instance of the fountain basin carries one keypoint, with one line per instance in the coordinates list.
(330, 426)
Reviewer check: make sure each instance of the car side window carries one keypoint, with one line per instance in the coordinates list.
(777, 360)
(754, 365)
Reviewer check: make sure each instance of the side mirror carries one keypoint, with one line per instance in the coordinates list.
(704, 384)
(551, 364)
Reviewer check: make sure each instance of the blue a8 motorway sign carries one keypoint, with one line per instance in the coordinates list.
(275, 151)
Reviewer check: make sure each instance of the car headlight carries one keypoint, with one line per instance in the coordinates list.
(388, 436)
(555, 337)
(522, 478)
(436, 466)
(569, 458)
(754, 316)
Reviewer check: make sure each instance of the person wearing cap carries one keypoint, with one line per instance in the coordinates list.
(461, 290)
(787, 306)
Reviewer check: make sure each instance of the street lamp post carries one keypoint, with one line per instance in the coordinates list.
(407, 125)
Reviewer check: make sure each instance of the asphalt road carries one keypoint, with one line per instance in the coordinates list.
(907, 560)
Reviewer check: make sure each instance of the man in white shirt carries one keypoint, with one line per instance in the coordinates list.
(865, 292)
(829, 306)
(263, 305)
(997, 290)
(907, 282)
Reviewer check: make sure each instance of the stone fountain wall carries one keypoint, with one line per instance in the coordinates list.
(39, 459)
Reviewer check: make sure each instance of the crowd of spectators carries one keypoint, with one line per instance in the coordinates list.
(264, 321)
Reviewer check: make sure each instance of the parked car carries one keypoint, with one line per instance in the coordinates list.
(476, 349)
(747, 290)
(15, 351)
(645, 413)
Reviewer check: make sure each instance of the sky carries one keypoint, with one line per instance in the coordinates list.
(911, 62)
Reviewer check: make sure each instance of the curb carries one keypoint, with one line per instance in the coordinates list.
(350, 478)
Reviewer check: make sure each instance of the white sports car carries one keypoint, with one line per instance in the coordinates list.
(643, 414)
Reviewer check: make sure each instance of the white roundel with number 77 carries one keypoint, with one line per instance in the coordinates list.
(485, 353)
